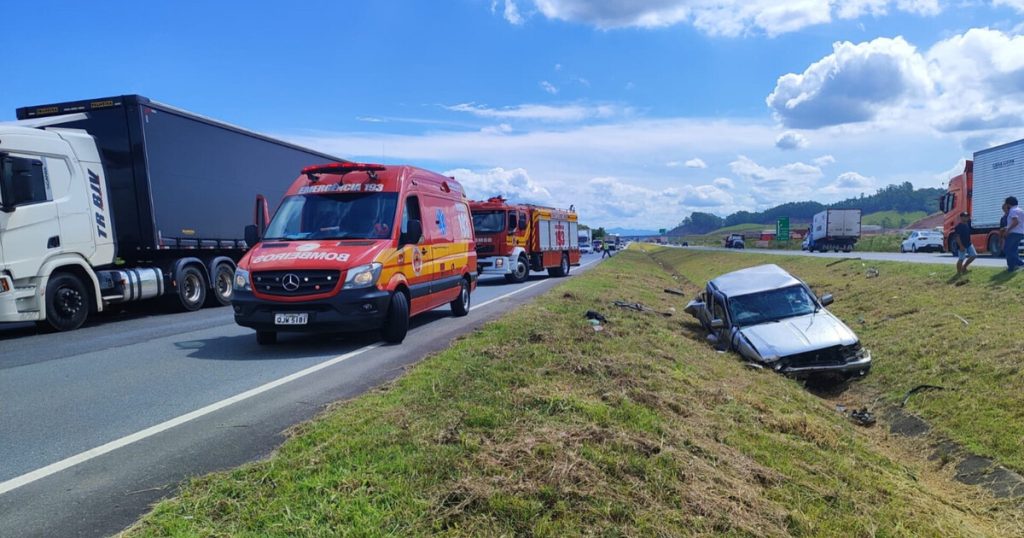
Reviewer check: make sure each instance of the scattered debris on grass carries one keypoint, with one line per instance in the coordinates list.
(862, 417)
(872, 272)
(965, 322)
(837, 262)
(639, 307)
(675, 291)
(917, 389)
(594, 315)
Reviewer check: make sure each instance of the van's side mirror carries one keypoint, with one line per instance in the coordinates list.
(717, 324)
(252, 235)
(413, 233)
(827, 299)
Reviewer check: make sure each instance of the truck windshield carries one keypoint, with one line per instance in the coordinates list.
(773, 305)
(334, 216)
(488, 222)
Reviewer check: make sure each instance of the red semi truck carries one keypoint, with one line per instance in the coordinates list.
(514, 239)
(980, 189)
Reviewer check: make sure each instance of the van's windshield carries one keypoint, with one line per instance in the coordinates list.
(334, 216)
(488, 222)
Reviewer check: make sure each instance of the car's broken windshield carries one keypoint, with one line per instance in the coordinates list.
(772, 305)
(334, 216)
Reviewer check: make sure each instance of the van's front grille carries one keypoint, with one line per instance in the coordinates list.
(295, 283)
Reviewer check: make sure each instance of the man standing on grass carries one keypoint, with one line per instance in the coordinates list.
(1014, 233)
(966, 251)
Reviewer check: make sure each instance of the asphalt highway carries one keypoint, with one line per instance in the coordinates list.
(910, 257)
(99, 423)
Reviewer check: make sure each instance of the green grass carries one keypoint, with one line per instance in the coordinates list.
(893, 219)
(536, 425)
(909, 316)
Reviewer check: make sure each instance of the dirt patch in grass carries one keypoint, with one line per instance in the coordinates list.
(537, 425)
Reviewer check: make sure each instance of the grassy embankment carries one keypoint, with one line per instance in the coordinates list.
(923, 326)
(538, 425)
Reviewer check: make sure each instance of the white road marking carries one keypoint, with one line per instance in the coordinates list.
(83, 457)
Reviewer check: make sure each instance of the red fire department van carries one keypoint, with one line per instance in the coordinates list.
(357, 247)
(513, 239)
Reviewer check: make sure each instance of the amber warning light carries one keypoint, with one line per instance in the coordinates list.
(342, 168)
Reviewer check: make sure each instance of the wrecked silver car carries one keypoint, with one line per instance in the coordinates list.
(773, 319)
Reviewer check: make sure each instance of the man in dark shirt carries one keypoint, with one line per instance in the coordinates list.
(965, 250)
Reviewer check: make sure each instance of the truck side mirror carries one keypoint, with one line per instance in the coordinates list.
(413, 233)
(252, 235)
(6, 183)
(512, 223)
(827, 299)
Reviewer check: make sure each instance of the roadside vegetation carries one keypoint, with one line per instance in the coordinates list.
(536, 424)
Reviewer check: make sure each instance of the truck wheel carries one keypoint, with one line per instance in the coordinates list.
(521, 271)
(67, 302)
(223, 275)
(562, 269)
(191, 289)
(266, 338)
(994, 248)
(460, 306)
(396, 325)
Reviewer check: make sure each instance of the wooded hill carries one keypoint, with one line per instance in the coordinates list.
(902, 198)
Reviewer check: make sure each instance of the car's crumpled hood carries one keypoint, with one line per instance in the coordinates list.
(798, 335)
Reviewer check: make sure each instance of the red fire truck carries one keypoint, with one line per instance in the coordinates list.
(514, 239)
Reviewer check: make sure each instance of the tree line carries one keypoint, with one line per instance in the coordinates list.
(902, 197)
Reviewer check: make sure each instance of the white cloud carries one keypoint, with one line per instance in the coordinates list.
(696, 163)
(791, 140)
(824, 161)
(547, 113)
(853, 180)
(501, 128)
(968, 82)
(724, 17)
(1015, 4)
(848, 184)
(514, 185)
(558, 67)
(724, 183)
(786, 183)
(852, 84)
(548, 87)
(511, 12)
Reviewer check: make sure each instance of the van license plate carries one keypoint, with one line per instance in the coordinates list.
(291, 319)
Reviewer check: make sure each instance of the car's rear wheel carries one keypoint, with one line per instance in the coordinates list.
(460, 306)
(562, 269)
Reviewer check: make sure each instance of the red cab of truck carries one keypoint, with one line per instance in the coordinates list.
(357, 247)
(514, 239)
(959, 197)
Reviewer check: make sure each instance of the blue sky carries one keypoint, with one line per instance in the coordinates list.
(636, 111)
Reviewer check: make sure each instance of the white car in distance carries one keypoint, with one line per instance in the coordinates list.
(923, 240)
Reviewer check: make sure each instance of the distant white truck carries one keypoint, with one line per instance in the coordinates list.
(835, 230)
(586, 241)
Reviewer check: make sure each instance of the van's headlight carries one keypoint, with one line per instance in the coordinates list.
(362, 276)
(241, 281)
